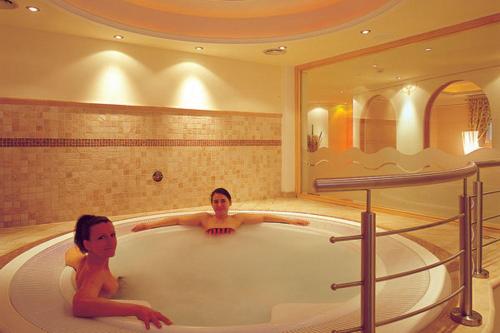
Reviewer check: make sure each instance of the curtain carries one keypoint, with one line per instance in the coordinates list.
(479, 115)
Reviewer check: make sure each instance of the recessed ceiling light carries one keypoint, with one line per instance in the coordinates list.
(282, 47)
(33, 9)
(118, 37)
(365, 31)
(199, 48)
(398, 77)
(275, 51)
(374, 66)
(428, 49)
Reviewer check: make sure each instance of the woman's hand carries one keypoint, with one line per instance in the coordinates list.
(148, 316)
(140, 227)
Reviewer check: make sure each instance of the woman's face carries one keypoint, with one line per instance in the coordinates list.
(102, 240)
(220, 204)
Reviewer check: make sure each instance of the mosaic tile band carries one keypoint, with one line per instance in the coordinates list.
(62, 159)
(57, 142)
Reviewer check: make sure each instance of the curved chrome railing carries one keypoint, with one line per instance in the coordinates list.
(396, 180)
(462, 314)
(478, 197)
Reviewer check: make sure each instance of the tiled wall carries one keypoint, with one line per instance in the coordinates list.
(60, 160)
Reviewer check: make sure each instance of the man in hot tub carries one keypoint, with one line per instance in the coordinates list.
(220, 222)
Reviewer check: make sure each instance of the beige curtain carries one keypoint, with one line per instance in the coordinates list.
(479, 115)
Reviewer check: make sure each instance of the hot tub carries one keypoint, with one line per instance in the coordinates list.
(264, 278)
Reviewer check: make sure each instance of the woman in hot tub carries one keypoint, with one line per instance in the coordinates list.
(95, 241)
(220, 222)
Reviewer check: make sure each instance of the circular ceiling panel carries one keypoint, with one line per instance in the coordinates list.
(233, 8)
(231, 21)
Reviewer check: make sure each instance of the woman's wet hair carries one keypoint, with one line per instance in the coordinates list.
(82, 228)
(222, 191)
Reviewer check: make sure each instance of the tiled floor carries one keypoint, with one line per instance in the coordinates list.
(441, 240)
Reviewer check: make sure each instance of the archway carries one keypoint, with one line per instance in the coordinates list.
(458, 118)
(377, 125)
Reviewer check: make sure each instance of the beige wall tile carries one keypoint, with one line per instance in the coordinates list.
(50, 184)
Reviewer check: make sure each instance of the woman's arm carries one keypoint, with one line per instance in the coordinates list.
(259, 218)
(192, 220)
(87, 303)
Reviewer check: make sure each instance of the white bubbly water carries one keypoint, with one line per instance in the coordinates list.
(237, 279)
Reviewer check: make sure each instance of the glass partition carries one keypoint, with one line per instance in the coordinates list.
(419, 106)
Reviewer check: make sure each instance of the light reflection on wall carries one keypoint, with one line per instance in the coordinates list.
(407, 126)
(192, 92)
(356, 115)
(340, 127)
(317, 120)
(112, 84)
(111, 87)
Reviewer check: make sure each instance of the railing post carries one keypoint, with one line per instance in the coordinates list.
(479, 272)
(368, 256)
(464, 313)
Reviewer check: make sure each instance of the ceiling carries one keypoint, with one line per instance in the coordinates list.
(460, 52)
(243, 29)
(223, 21)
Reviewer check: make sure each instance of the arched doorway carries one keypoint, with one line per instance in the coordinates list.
(377, 125)
(458, 119)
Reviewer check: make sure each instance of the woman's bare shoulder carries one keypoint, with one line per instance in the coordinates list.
(248, 217)
(202, 215)
(195, 219)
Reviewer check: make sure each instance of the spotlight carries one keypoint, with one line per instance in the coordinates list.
(33, 9)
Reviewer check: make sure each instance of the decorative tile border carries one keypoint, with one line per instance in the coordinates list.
(54, 142)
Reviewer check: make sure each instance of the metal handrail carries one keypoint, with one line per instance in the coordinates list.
(404, 316)
(490, 192)
(430, 225)
(487, 164)
(490, 218)
(425, 308)
(335, 239)
(492, 242)
(395, 180)
(420, 269)
(336, 286)
(463, 314)
(479, 271)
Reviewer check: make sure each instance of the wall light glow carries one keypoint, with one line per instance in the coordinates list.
(357, 108)
(193, 94)
(408, 127)
(317, 122)
(112, 86)
(193, 86)
(408, 89)
(113, 83)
